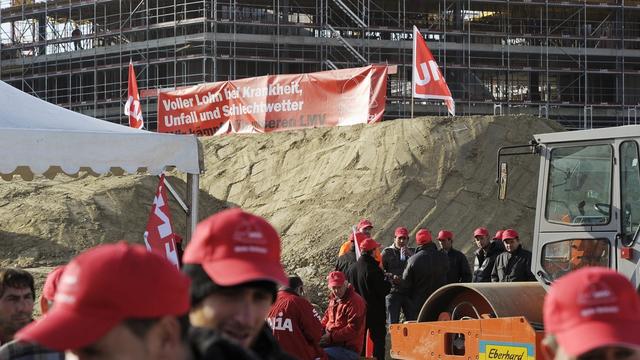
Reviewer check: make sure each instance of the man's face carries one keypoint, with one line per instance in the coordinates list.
(338, 291)
(16, 306)
(238, 313)
(400, 241)
(446, 244)
(367, 230)
(511, 245)
(482, 241)
(602, 353)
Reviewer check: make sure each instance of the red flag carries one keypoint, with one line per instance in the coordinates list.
(159, 236)
(132, 108)
(427, 80)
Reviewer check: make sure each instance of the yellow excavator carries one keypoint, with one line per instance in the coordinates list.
(587, 214)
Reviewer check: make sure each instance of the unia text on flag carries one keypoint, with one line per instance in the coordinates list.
(159, 236)
(132, 108)
(427, 80)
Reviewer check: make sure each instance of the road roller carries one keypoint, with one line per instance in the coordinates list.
(587, 214)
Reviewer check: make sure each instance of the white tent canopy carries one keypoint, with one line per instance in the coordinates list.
(37, 137)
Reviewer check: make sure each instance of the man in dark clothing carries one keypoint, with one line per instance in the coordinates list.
(459, 271)
(234, 263)
(426, 271)
(486, 254)
(295, 323)
(394, 260)
(369, 281)
(515, 263)
(111, 304)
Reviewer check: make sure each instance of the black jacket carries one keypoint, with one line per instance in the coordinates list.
(368, 280)
(391, 262)
(345, 261)
(426, 271)
(207, 344)
(513, 267)
(484, 260)
(459, 270)
(267, 348)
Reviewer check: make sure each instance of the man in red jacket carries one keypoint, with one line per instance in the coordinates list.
(295, 323)
(344, 320)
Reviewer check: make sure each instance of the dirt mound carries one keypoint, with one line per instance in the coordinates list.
(313, 185)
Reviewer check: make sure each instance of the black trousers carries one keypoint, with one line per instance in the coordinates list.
(378, 333)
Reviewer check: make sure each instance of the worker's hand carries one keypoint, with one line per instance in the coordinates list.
(325, 339)
(396, 280)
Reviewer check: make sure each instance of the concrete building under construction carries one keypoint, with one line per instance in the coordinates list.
(577, 61)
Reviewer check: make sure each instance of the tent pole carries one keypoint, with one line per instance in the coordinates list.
(193, 189)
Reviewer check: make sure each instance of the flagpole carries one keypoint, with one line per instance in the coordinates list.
(413, 64)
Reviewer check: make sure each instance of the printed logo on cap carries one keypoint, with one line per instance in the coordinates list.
(67, 286)
(598, 298)
(248, 233)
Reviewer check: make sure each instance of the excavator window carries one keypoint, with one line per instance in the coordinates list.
(562, 257)
(629, 191)
(579, 185)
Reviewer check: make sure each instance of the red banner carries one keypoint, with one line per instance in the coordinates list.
(159, 236)
(276, 102)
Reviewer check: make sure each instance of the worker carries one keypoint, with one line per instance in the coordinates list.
(76, 34)
(497, 236)
(120, 301)
(365, 227)
(394, 260)
(459, 271)
(369, 281)
(17, 297)
(426, 271)
(22, 350)
(485, 255)
(591, 313)
(515, 263)
(294, 322)
(344, 320)
(234, 263)
(348, 259)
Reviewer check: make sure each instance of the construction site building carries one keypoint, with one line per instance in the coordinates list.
(576, 61)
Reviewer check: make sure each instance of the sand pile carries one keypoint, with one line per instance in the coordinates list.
(313, 185)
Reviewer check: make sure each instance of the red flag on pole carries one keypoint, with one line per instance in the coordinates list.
(132, 108)
(159, 236)
(427, 80)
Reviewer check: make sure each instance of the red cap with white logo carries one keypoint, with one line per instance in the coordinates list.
(590, 308)
(104, 286)
(234, 247)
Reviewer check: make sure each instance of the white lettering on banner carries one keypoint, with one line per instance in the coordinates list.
(164, 229)
(257, 108)
(278, 323)
(428, 73)
(176, 104)
(272, 90)
(209, 98)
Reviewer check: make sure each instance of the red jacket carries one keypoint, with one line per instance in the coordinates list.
(344, 320)
(295, 325)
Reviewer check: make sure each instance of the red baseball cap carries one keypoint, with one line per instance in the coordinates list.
(51, 283)
(368, 244)
(445, 234)
(401, 232)
(363, 224)
(423, 236)
(481, 231)
(590, 308)
(104, 286)
(336, 278)
(498, 235)
(509, 234)
(234, 247)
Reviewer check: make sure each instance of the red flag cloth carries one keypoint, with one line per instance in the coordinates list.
(132, 108)
(428, 82)
(159, 236)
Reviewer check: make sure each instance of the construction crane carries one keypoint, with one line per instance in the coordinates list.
(587, 214)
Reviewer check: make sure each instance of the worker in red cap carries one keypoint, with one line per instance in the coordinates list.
(497, 236)
(368, 279)
(343, 321)
(294, 322)
(234, 263)
(515, 263)
(119, 301)
(394, 260)
(426, 271)
(592, 313)
(459, 270)
(486, 254)
(346, 261)
(361, 232)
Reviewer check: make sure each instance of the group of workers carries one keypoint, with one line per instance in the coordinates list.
(232, 299)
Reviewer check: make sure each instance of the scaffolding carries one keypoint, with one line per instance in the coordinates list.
(574, 61)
